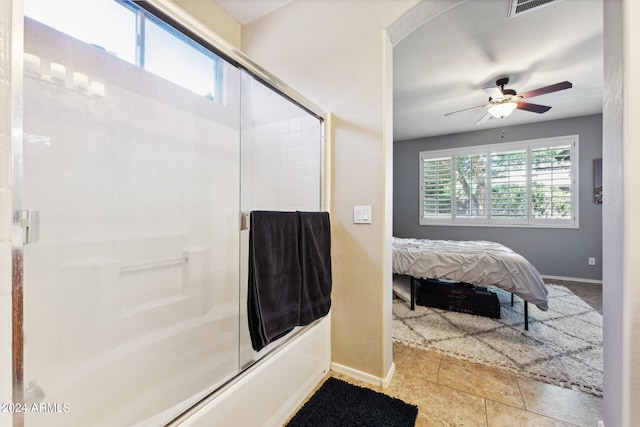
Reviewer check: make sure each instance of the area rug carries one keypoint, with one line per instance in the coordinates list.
(563, 345)
(338, 403)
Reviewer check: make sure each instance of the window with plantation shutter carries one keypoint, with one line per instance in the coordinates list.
(509, 185)
(551, 182)
(471, 185)
(436, 187)
(525, 184)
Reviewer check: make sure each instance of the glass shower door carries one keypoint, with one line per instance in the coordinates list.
(133, 162)
(281, 171)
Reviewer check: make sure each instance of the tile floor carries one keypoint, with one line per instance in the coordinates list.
(450, 392)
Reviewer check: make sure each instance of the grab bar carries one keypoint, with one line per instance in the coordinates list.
(150, 265)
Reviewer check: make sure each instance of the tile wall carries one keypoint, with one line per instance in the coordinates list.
(281, 152)
(286, 164)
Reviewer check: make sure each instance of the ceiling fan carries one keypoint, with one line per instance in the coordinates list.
(503, 101)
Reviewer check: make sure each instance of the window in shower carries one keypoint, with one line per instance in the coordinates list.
(140, 39)
(96, 27)
(167, 53)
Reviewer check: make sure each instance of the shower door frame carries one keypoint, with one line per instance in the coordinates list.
(177, 18)
(17, 187)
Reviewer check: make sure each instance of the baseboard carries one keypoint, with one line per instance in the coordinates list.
(363, 376)
(571, 279)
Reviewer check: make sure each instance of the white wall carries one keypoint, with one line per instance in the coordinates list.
(212, 16)
(631, 57)
(621, 228)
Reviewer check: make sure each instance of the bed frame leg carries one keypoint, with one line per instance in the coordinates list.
(413, 293)
(526, 316)
(512, 300)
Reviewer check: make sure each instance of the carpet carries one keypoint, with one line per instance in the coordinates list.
(337, 403)
(563, 345)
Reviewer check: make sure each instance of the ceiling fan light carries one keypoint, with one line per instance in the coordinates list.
(502, 110)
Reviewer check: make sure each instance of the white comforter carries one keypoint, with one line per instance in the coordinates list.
(479, 262)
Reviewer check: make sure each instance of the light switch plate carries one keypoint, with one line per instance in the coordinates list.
(362, 214)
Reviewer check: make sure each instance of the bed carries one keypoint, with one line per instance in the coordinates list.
(479, 262)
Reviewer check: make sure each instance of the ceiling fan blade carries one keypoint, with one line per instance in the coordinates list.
(547, 89)
(484, 119)
(534, 108)
(465, 109)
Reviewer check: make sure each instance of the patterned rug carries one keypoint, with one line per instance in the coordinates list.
(563, 345)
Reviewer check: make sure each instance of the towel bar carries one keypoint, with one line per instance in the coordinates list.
(150, 265)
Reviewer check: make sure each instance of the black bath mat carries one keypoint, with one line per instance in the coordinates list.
(340, 404)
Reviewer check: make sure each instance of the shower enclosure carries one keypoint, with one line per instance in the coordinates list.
(144, 145)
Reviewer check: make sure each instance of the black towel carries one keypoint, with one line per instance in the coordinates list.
(315, 264)
(274, 276)
(289, 272)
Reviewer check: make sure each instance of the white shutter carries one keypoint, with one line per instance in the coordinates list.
(471, 185)
(436, 187)
(509, 185)
(551, 182)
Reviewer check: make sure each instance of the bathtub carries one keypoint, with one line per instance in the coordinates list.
(170, 368)
(266, 394)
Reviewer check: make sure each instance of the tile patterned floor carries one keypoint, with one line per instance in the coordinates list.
(450, 392)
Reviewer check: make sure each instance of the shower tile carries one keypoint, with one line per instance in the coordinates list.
(301, 168)
(107, 300)
(5, 307)
(299, 154)
(311, 136)
(5, 161)
(301, 183)
(107, 275)
(78, 327)
(295, 125)
(5, 268)
(79, 304)
(76, 278)
(5, 372)
(309, 122)
(282, 128)
(5, 214)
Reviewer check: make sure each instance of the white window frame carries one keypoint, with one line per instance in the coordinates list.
(487, 220)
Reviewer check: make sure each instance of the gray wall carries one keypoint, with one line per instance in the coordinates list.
(553, 251)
